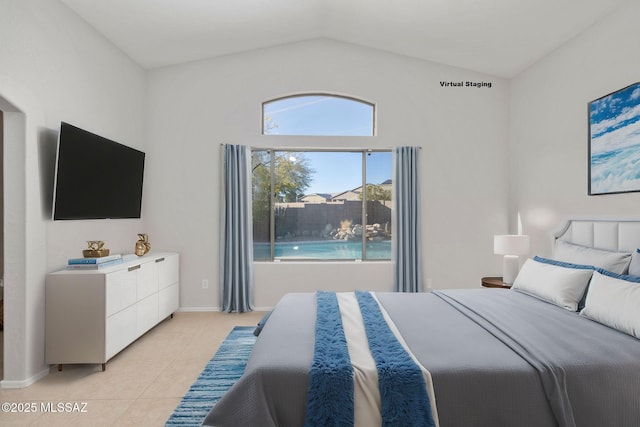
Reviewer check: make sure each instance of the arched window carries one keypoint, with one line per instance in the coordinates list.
(318, 114)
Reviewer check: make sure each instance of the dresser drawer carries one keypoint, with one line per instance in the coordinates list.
(120, 331)
(168, 270)
(120, 290)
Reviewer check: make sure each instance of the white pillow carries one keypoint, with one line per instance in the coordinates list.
(614, 302)
(616, 262)
(562, 286)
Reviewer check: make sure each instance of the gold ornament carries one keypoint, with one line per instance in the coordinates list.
(96, 249)
(142, 245)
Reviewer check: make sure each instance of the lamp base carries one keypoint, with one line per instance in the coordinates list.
(510, 268)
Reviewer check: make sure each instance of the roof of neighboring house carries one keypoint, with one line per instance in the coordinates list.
(354, 192)
(325, 196)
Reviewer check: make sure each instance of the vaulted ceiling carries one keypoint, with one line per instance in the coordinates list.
(498, 37)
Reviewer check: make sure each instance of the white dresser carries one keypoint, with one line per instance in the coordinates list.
(91, 315)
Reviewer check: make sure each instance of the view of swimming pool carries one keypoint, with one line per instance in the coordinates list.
(325, 250)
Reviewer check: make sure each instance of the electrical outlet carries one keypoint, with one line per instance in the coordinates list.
(205, 283)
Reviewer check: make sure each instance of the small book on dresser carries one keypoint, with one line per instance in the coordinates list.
(101, 260)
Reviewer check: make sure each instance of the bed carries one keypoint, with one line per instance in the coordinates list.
(530, 356)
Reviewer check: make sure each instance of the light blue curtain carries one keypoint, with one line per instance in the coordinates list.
(408, 251)
(236, 242)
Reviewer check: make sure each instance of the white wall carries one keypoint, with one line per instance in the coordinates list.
(193, 108)
(1, 205)
(78, 77)
(549, 127)
(53, 67)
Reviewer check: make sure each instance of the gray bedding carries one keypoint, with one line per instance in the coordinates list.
(497, 358)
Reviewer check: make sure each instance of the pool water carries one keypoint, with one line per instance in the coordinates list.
(324, 250)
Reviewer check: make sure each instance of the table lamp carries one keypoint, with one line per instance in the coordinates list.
(511, 246)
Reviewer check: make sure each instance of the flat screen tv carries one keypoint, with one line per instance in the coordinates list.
(96, 178)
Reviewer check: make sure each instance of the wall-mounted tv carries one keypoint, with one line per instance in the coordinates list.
(95, 177)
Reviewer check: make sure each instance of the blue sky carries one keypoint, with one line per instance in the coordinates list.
(320, 115)
(333, 116)
(337, 172)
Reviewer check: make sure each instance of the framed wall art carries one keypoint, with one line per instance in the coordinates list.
(614, 142)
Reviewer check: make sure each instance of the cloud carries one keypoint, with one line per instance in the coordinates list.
(297, 106)
(609, 125)
(616, 139)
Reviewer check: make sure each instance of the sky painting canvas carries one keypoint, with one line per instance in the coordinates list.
(614, 142)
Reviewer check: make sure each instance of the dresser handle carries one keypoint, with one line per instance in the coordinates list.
(135, 267)
(160, 259)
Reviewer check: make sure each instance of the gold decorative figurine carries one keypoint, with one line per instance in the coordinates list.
(142, 245)
(96, 249)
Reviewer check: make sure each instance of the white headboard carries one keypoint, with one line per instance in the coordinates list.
(613, 235)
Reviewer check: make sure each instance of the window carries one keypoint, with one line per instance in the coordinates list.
(321, 204)
(318, 205)
(321, 114)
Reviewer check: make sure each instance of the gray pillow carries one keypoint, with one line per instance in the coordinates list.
(634, 265)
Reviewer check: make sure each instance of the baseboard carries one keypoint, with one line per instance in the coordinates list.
(6, 384)
(214, 309)
(198, 309)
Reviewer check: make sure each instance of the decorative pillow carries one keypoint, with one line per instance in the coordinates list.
(569, 265)
(563, 264)
(627, 277)
(617, 262)
(634, 265)
(557, 284)
(613, 300)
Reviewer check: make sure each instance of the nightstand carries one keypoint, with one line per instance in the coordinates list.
(494, 282)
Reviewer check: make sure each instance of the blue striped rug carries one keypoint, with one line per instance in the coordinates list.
(222, 371)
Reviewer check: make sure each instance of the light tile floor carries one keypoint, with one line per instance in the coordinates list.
(141, 386)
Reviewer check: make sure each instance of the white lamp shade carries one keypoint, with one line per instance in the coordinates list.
(511, 244)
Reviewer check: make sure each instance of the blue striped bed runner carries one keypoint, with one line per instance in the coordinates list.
(404, 400)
